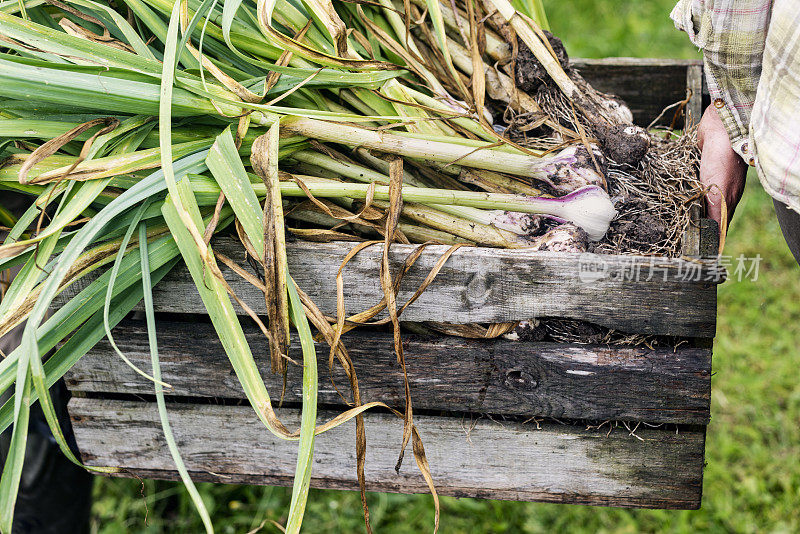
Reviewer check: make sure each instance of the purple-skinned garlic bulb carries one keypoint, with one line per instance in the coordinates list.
(572, 168)
(589, 208)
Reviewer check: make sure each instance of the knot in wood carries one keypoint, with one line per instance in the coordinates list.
(478, 289)
(519, 379)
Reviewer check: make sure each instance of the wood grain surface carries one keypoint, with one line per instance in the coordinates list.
(636, 294)
(656, 467)
(446, 373)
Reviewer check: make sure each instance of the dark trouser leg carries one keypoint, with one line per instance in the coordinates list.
(790, 226)
(55, 495)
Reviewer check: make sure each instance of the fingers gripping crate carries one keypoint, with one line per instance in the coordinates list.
(503, 419)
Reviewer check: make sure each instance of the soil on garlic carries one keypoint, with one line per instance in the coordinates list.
(636, 225)
(624, 144)
(529, 72)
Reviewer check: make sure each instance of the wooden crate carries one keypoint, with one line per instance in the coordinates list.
(503, 419)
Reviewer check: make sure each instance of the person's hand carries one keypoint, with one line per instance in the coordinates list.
(721, 168)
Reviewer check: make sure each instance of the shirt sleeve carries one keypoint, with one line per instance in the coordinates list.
(732, 34)
(775, 123)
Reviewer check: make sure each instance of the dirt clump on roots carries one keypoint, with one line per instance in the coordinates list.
(529, 71)
(637, 225)
(623, 143)
(654, 199)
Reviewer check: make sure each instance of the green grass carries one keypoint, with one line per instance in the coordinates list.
(752, 479)
(602, 28)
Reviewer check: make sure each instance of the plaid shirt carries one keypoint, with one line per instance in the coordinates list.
(751, 50)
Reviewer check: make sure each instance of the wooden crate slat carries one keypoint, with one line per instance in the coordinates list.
(446, 373)
(468, 458)
(694, 83)
(646, 85)
(480, 285)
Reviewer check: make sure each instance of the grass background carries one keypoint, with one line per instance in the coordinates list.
(752, 479)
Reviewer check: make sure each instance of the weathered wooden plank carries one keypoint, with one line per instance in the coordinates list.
(446, 373)
(647, 295)
(694, 83)
(646, 85)
(709, 238)
(701, 239)
(690, 246)
(468, 458)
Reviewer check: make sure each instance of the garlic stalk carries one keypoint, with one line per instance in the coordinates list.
(450, 153)
(589, 207)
